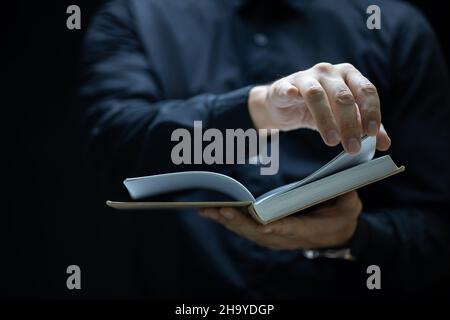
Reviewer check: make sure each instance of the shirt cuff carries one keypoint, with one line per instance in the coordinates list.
(230, 110)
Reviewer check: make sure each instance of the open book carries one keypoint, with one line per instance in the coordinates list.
(342, 174)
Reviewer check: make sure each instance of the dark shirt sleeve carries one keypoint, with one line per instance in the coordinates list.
(408, 234)
(128, 119)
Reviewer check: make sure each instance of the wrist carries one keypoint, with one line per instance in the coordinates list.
(257, 107)
(351, 250)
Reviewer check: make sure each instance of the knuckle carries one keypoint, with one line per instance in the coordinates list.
(324, 67)
(347, 66)
(315, 92)
(368, 89)
(344, 97)
(277, 88)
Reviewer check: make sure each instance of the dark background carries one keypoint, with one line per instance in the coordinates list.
(54, 202)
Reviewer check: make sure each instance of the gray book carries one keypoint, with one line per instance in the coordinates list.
(342, 174)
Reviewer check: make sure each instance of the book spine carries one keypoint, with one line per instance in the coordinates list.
(255, 215)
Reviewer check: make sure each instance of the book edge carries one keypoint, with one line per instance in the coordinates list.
(255, 213)
(149, 205)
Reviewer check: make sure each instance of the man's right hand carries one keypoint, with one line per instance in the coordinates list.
(337, 100)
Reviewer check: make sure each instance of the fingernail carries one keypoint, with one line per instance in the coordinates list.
(267, 230)
(372, 128)
(332, 137)
(353, 145)
(227, 214)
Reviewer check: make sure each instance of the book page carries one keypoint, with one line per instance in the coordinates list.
(326, 188)
(142, 187)
(341, 162)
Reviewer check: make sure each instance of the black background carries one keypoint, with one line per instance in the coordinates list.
(53, 202)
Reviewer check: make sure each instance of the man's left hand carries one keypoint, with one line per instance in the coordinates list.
(329, 225)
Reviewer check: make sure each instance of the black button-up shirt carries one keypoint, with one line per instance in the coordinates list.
(153, 66)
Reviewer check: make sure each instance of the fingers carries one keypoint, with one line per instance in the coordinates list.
(337, 100)
(366, 96)
(325, 226)
(345, 110)
(368, 101)
(383, 140)
(317, 103)
(243, 225)
(277, 235)
(234, 220)
(289, 227)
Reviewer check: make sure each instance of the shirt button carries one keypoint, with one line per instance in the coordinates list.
(260, 39)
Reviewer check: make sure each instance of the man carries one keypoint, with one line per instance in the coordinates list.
(154, 66)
